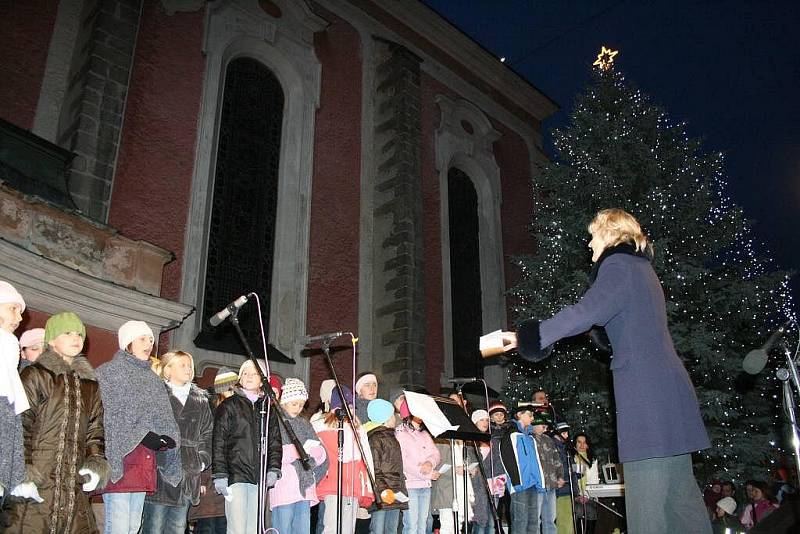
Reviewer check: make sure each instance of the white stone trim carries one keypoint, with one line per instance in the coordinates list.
(55, 81)
(50, 287)
(472, 153)
(240, 28)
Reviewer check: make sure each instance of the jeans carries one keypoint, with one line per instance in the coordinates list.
(292, 518)
(525, 512)
(547, 511)
(415, 518)
(661, 496)
(123, 512)
(330, 509)
(241, 510)
(211, 525)
(162, 518)
(384, 522)
(477, 528)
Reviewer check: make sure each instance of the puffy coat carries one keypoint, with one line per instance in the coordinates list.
(235, 448)
(197, 426)
(388, 462)
(355, 480)
(63, 432)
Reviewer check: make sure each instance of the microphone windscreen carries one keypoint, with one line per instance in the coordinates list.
(755, 361)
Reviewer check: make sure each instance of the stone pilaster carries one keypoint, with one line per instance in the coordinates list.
(92, 116)
(398, 292)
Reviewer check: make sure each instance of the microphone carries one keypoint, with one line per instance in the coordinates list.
(756, 359)
(458, 381)
(225, 312)
(323, 337)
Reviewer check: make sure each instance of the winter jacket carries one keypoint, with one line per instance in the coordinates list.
(388, 462)
(657, 410)
(520, 459)
(298, 483)
(417, 447)
(63, 433)
(442, 491)
(355, 480)
(549, 460)
(197, 427)
(564, 491)
(236, 436)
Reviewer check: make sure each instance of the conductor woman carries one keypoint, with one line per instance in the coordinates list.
(658, 417)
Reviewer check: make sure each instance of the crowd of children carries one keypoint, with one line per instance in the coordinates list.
(139, 433)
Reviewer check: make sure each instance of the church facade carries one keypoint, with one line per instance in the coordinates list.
(360, 165)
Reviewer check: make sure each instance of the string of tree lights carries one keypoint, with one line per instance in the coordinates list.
(723, 296)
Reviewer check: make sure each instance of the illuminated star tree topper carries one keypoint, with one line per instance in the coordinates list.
(605, 59)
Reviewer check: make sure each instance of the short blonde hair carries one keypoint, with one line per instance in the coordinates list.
(618, 226)
(168, 358)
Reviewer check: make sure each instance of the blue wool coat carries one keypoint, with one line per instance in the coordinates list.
(657, 410)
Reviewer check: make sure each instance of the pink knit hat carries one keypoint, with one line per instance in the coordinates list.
(31, 337)
(9, 294)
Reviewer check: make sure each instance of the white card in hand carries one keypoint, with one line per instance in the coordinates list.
(310, 444)
(444, 468)
(492, 344)
(399, 496)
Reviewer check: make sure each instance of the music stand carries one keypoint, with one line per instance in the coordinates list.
(446, 419)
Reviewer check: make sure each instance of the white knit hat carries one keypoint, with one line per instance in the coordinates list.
(363, 381)
(477, 415)
(9, 294)
(293, 389)
(727, 504)
(131, 330)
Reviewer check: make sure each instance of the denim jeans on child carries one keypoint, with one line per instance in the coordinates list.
(525, 512)
(415, 519)
(292, 518)
(123, 512)
(164, 519)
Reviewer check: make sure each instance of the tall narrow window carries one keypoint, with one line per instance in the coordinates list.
(465, 274)
(242, 231)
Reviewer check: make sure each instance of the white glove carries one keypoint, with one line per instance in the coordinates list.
(27, 490)
(94, 478)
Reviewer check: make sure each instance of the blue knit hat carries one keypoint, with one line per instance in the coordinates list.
(379, 411)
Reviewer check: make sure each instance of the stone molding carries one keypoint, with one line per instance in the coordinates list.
(51, 288)
(81, 244)
(464, 140)
(240, 28)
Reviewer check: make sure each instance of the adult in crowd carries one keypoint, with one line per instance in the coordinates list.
(588, 472)
(659, 424)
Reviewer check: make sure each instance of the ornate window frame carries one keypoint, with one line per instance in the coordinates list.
(237, 28)
(471, 152)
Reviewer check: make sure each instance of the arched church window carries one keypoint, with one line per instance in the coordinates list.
(242, 228)
(465, 273)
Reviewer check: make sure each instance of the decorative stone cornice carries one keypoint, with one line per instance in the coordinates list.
(433, 27)
(77, 242)
(51, 287)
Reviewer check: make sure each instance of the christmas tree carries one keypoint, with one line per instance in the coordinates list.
(621, 150)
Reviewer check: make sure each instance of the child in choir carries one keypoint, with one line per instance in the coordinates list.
(13, 401)
(525, 477)
(420, 458)
(31, 345)
(63, 432)
(387, 458)
(366, 391)
(294, 494)
(552, 468)
(236, 451)
(356, 490)
(165, 511)
(138, 422)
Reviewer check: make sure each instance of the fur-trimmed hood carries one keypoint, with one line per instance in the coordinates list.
(54, 363)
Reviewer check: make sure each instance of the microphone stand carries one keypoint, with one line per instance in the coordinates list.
(305, 459)
(326, 349)
(340, 462)
(786, 376)
(486, 486)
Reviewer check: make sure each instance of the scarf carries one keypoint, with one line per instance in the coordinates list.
(304, 432)
(180, 392)
(10, 384)
(136, 402)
